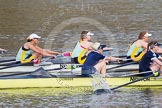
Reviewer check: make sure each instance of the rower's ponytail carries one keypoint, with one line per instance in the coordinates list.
(28, 39)
(140, 36)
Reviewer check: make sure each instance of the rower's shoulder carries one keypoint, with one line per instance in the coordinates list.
(86, 44)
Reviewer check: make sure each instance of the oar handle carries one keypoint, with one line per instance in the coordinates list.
(114, 88)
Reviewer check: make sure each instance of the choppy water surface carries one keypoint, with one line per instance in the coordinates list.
(63, 98)
(60, 22)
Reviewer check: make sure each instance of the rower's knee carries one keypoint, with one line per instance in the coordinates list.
(104, 65)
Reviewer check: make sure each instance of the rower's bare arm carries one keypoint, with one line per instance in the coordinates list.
(90, 46)
(33, 48)
(2, 49)
(107, 49)
(47, 51)
(52, 52)
(113, 58)
(39, 50)
(144, 45)
(158, 62)
(159, 50)
(160, 58)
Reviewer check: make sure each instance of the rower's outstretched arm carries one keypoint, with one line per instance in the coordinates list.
(113, 58)
(158, 62)
(40, 51)
(160, 58)
(159, 50)
(107, 49)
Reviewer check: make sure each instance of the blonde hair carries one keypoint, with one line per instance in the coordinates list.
(28, 39)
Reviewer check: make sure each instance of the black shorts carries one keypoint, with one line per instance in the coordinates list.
(76, 59)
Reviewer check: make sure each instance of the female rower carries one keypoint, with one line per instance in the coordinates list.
(139, 46)
(151, 60)
(96, 61)
(31, 51)
(82, 47)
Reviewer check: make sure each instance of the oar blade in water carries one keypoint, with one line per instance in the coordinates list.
(99, 84)
(101, 91)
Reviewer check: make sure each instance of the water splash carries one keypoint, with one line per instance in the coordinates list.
(99, 85)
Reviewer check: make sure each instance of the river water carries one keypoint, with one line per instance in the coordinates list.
(64, 98)
(60, 22)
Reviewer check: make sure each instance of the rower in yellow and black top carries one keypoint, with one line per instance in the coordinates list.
(138, 47)
(24, 55)
(31, 51)
(83, 47)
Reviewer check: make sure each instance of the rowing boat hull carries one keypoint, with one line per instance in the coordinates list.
(74, 82)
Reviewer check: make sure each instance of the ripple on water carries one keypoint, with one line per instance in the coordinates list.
(50, 97)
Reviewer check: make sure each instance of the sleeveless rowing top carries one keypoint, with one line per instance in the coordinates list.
(132, 47)
(79, 53)
(77, 50)
(24, 55)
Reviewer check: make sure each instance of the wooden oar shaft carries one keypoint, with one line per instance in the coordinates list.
(114, 88)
